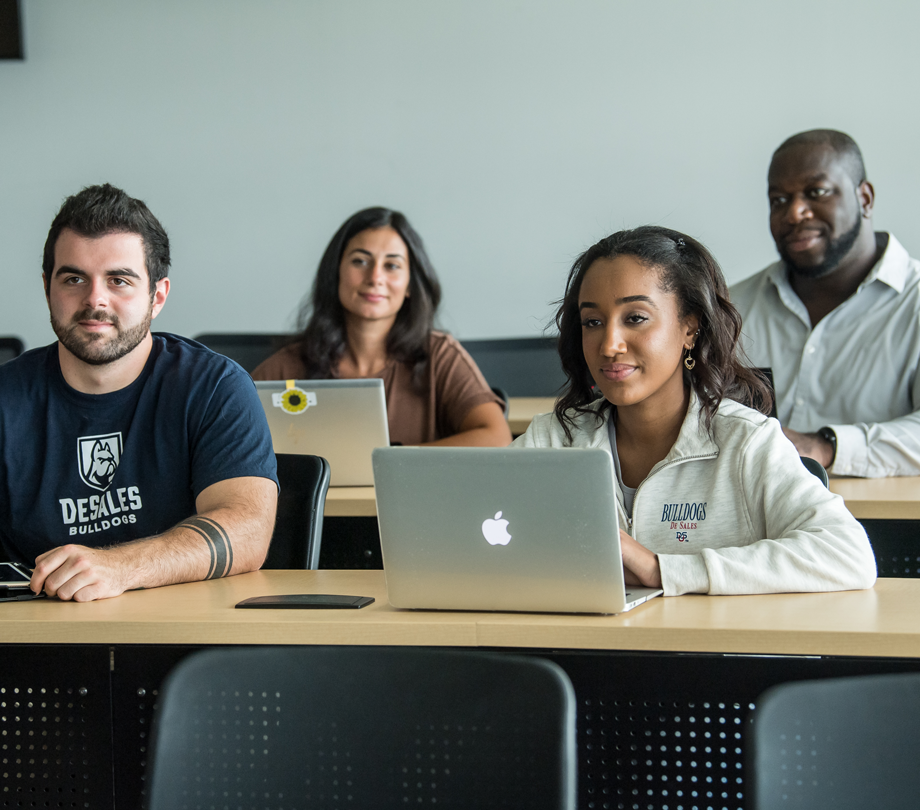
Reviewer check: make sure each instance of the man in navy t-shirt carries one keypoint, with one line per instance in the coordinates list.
(127, 459)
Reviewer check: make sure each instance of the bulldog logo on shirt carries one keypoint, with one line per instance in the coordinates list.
(98, 458)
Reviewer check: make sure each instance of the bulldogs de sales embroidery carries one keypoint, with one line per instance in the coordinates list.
(683, 518)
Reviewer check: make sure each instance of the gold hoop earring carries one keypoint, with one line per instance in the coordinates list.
(689, 362)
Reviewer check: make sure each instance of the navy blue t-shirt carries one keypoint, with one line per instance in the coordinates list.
(103, 469)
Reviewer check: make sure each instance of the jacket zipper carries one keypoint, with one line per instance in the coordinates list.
(629, 520)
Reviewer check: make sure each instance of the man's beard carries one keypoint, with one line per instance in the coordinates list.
(94, 349)
(836, 251)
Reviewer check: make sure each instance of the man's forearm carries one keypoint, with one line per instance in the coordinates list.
(218, 541)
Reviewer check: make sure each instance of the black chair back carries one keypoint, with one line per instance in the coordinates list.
(372, 727)
(10, 347)
(837, 744)
(246, 349)
(523, 367)
(815, 468)
(504, 397)
(298, 535)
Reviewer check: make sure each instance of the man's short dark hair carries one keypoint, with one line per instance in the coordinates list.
(101, 210)
(841, 143)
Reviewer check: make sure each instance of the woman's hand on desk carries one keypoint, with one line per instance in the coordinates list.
(640, 566)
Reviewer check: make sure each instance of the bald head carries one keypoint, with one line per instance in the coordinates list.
(819, 141)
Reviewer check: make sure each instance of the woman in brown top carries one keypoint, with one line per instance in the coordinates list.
(371, 314)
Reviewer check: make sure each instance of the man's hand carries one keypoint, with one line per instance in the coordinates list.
(640, 566)
(812, 445)
(82, 574)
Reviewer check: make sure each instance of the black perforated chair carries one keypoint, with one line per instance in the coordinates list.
(10, 347)
(246, 349)
(837, 744)
(364, 727)
(523, 367)
(298, 535)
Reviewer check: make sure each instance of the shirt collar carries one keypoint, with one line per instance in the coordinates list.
(693, 439)
(893, 268)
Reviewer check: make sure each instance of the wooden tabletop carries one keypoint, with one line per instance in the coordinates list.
(880, 498)
(522, 410)
(877, 622)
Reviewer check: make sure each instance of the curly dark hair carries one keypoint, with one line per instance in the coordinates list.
(322, 318)
(691, 272)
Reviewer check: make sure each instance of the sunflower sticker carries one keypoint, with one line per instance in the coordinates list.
(293, 400)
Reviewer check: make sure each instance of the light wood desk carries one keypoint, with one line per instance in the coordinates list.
(350, 502)
(673, 672)
(878, 622)
(522, 410)
(880, 498)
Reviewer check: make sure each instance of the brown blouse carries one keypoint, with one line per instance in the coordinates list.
(453, 387)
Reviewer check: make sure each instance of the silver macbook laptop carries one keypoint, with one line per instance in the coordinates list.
(507, 529)
(340, 420)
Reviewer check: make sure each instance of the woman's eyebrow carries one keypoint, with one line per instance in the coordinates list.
(629, 299)
(388, 255)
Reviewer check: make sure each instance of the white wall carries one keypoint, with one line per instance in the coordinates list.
(513, 135)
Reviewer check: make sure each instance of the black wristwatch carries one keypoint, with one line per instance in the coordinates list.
(828, 435)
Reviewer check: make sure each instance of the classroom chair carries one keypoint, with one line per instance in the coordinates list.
(837, 744)
(503, 395)
(371, 727)
(246, 349)
(523, 367)
(10, 347)
(298, 535)
(815, 468)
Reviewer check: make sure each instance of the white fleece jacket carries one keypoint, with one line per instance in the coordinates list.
(735, 512)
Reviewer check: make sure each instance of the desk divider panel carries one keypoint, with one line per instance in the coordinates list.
(896, 544)
(55, 727)
(665, 731)
(656, 731)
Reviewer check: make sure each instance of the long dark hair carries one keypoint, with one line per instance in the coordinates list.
(322, 317)
(691, 272)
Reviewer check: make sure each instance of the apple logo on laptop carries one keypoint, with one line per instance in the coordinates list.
(494, 531)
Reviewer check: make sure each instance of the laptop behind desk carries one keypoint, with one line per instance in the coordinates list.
(340, 420)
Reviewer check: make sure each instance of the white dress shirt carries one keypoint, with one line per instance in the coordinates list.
(855, 372)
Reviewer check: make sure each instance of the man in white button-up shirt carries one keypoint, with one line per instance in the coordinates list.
(838, 318)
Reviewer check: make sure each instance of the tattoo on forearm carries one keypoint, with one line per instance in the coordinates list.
(218, 544)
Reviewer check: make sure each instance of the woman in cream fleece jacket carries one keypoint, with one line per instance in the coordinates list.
(712, 496)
